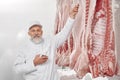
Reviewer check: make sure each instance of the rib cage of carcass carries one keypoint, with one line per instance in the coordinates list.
(90, 47)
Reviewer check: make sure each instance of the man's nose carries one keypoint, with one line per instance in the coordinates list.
(36, 32)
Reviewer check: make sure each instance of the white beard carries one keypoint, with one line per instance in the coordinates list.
(36, 40)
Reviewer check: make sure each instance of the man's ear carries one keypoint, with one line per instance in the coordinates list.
(29, 33)
(42, 32)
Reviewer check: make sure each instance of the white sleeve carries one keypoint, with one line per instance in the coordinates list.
(60, 38)
(23, 66)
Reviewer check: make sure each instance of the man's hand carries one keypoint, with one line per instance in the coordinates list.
(40, 59)
(74, 11)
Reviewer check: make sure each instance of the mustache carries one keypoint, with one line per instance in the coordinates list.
(36, 36)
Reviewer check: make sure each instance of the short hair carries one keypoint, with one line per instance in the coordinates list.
(34, 25)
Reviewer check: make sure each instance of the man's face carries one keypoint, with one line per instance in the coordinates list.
(35, 33)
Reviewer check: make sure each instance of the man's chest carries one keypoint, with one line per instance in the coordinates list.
(32, 50)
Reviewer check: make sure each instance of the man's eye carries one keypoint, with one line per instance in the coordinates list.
(33, 31)
(38, 30)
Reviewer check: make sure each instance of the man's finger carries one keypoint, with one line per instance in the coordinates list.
(75, 9)
(77, 5)
(44, 57)
(37, 55)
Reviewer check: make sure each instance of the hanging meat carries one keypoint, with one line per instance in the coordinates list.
(102, 55)
(90, 47)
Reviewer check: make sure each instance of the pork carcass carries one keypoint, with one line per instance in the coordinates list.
(102, 55)
(90, 47)
(63, 8)
(74, 51)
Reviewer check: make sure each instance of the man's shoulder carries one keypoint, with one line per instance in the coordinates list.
(48, 38)
(23, 45)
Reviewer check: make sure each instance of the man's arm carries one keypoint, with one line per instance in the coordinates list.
(23, 66)
(64, 33)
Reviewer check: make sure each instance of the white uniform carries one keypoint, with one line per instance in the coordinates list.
(46, 71)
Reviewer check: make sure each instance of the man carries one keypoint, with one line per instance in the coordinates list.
(36, 60)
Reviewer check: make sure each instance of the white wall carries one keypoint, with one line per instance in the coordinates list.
(15, 18)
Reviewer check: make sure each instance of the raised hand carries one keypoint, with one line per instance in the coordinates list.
(74, 11)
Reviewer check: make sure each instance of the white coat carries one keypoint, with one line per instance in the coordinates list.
(46, 71)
